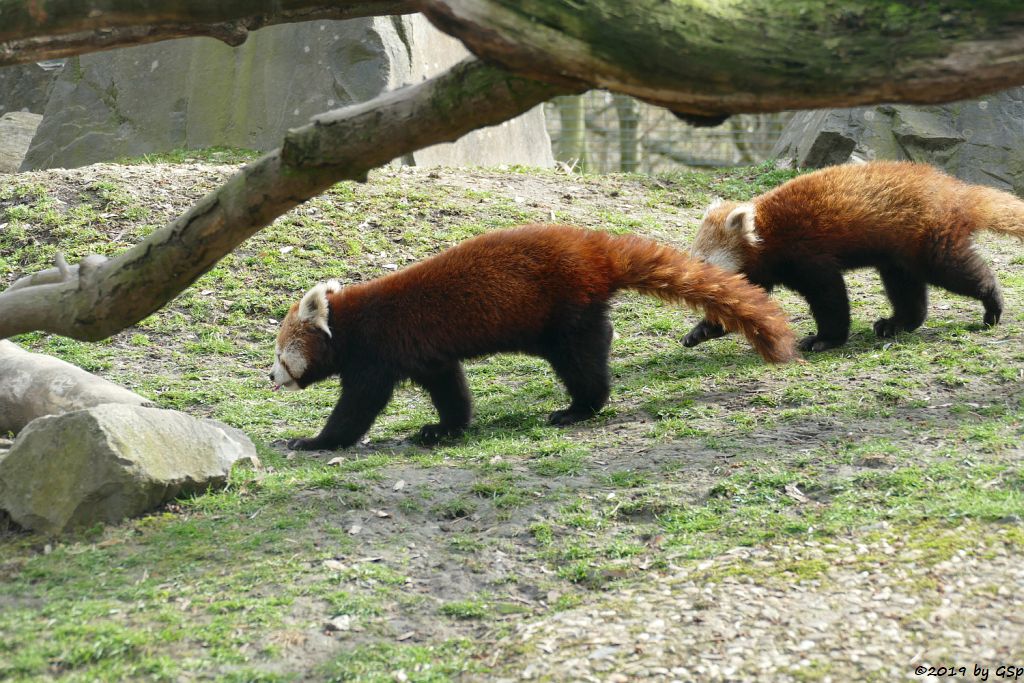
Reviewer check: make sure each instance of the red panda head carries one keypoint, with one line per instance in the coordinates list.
(727, 236)
(304, 354)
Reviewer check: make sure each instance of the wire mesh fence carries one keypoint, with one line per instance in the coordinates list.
(602, 132)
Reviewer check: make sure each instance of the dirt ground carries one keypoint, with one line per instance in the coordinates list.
(887, 600)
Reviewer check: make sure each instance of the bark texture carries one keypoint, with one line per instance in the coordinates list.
(713, 58)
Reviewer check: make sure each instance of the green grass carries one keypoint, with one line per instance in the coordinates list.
(699, 451)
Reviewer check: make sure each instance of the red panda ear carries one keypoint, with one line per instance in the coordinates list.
(314, 307)
(715, 203)
(741, 221)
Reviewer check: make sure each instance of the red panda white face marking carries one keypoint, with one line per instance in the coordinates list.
(289, 365)
(727, 231)
(310, 316)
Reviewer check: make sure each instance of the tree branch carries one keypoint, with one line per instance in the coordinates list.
(99, 297)
(714, 58)
(31, 30)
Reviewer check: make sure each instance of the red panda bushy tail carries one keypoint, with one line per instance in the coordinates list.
(996, 210)
(727, 299)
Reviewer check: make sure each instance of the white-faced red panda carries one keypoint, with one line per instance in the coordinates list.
(910, 221)
(537, 289)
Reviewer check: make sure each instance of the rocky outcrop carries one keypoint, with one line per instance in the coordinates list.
(976, 140)
(110, 462)
(35, 385)
(197, 92)
(27, 87)
(16, 132)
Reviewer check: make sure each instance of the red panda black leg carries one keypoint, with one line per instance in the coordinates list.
(702, 332)
(823, 287)
(909, 296)
(363, 396)
(450, 394)
(706, 330)
(962, 271)
(578, 352)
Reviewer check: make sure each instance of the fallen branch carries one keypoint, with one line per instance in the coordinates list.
(99, 297)
(31, 31)
(35, 385)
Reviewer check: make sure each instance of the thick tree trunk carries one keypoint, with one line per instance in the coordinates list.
(712, 58)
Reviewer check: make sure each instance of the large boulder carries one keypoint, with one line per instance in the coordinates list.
(110, 462)
(198, 92)
(16, 131)
(34, 384)
(27, 87)
(976, 140)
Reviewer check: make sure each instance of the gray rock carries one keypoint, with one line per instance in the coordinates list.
(27, 87)
(16, 132)
(975, 140)
(197, 92)
(35, 385)
(110, 462)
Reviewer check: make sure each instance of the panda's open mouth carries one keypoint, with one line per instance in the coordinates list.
(290, 384)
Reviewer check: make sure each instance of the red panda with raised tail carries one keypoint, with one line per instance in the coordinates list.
(537, 289)
(909, 220)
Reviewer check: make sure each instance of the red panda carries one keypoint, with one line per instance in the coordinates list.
(537, 289)
(910, 221)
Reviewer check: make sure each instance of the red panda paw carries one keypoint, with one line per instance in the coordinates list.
(569, 416)
(702, 332)
(816, 343)
(433, 433)
(306, 445)
(887, 327)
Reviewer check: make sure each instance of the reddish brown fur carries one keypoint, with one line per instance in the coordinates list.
(536, 289)
(910, 220)
(510, 284)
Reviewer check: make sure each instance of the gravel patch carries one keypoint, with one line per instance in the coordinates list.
(880, 610)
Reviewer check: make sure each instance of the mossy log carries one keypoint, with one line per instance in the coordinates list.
(716, 58)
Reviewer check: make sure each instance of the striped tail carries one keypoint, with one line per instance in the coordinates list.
(996, 210)
(727, 299)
